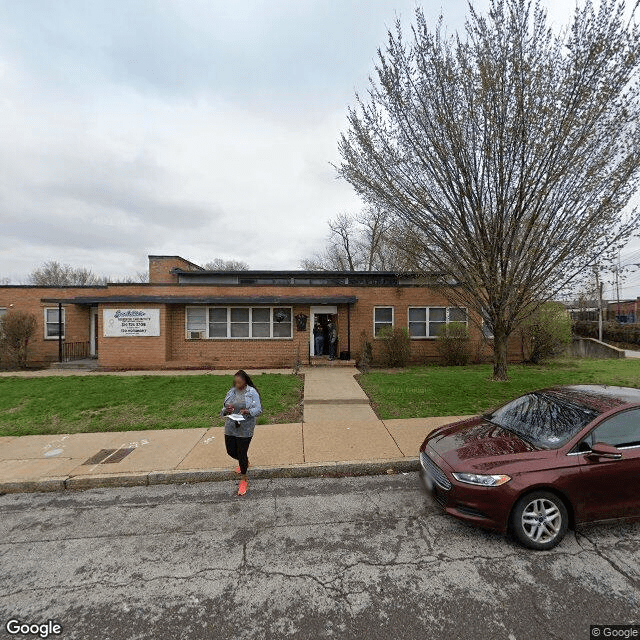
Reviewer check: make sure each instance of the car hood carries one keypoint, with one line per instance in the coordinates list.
(479, 445)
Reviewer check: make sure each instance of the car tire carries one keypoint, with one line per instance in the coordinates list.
(540, 520)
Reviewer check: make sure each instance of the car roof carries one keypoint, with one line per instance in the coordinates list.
(598, 396)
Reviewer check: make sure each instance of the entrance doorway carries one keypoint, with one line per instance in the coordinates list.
(322, 315)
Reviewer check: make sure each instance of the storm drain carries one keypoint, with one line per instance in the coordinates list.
(109, 456)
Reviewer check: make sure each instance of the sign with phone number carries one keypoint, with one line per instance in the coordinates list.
(122, 323)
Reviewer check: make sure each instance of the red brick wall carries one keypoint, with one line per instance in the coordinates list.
(133, 352)
(172, 348)
(401, 298)
(237, 353)
(28, 299)
(160, 268)
(625, 308)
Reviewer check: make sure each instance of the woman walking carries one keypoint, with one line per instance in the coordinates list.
(242, 399)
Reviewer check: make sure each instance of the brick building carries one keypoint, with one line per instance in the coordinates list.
(625, 311)
(187, 317)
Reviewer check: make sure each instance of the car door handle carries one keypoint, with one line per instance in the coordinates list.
(610, 456)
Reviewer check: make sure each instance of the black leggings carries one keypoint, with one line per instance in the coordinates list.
(238, 448)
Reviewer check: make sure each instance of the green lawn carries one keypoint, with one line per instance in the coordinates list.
(116, 403)
(449, 391)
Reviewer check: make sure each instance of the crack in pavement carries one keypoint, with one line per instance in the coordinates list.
(275, 525)
(118, 585)
(598, 551)
(303, 560)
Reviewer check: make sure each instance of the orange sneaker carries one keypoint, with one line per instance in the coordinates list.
(238, 468)
(243, 487)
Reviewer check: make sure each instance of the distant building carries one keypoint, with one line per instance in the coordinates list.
(582, 309)
(625, 311)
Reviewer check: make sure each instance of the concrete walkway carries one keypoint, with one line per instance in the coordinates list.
(340, 425)
(629, 353)
(339, 433)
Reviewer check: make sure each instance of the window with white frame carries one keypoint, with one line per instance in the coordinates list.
(261, 323)
(427, 322)
(282, 323)
(218, 322)
(238, 322)
(3, 313)
(197, 323)
(51, 323)
(382, 319)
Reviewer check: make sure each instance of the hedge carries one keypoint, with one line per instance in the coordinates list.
(611, 331)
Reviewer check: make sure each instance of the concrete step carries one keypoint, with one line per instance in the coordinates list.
(85, 363)
(323, 361)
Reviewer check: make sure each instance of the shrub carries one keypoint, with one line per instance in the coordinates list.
(15, 332)
(546, 333)
(612, 331)
(366, 352)
(454, 344)
(395, 347)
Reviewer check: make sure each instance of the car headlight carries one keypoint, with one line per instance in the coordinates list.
(483, 481)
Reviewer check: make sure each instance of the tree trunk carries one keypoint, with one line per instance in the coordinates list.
(500, 356)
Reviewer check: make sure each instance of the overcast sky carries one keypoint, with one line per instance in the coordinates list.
(194, 127)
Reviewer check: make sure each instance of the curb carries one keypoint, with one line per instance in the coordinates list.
(190, 476)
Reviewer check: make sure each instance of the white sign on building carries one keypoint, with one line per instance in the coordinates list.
(120, 323)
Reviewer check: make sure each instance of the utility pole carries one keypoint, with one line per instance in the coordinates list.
(599, 289)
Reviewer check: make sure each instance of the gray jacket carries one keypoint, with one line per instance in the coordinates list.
(243, 429)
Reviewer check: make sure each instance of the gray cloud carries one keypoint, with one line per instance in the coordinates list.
(202, 128)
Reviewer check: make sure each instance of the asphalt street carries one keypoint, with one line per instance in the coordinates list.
(369, 557)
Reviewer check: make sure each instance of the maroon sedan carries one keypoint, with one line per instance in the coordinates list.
(541, 463)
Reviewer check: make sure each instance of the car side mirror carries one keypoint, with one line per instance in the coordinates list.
(604, 450)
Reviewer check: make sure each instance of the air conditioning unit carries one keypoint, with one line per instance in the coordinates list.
(196, 335)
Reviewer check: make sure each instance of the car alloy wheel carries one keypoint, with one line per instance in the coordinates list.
(540, 520)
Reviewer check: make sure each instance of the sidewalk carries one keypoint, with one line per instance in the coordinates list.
(340, 433)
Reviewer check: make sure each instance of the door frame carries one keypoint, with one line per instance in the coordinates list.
(320, 309)
(93, 335)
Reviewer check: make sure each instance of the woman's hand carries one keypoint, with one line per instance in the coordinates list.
(230, 409)
(244, 412)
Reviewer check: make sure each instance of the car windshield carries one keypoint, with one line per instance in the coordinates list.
(543, 418)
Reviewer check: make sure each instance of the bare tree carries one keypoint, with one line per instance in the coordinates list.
(375, 238)
(54, 273)
(140, 277)
(220, 264)
(510, 150)
(369, 241)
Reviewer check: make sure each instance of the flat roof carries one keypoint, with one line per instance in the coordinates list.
(59, 286)
(213, 300)
(299, 273)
